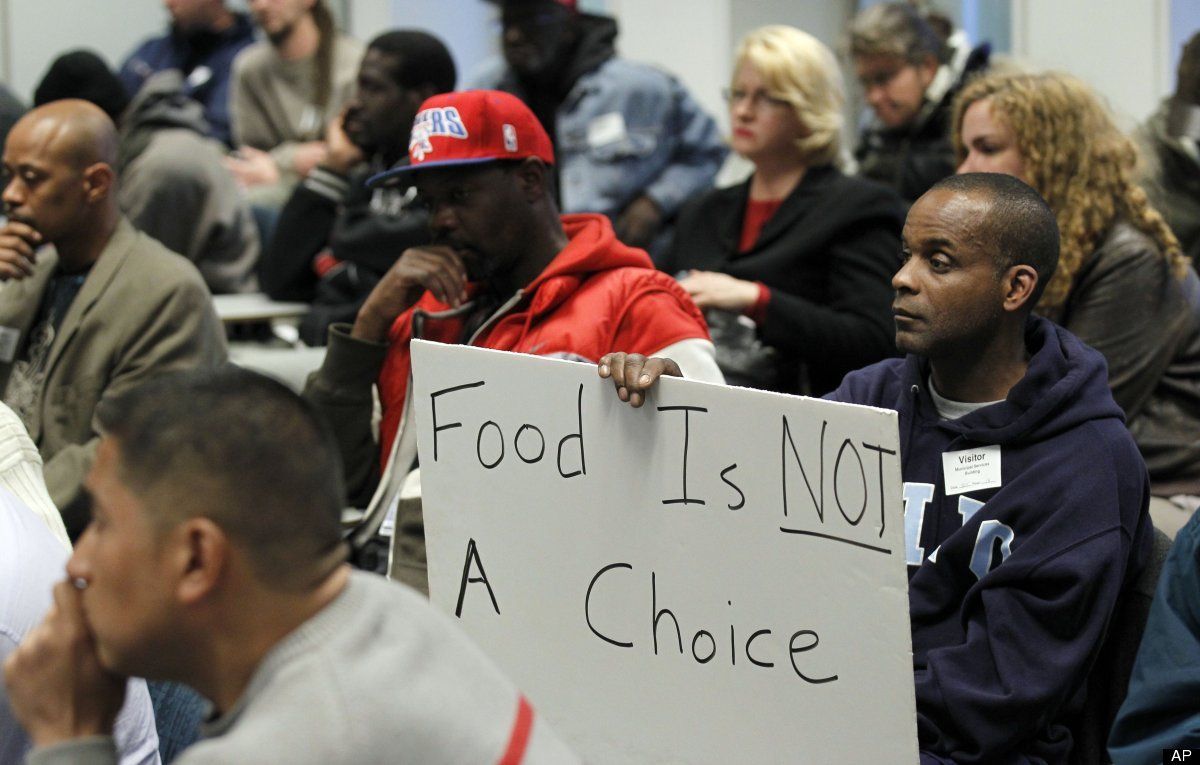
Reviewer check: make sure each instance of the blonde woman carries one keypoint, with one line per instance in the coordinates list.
(1122, 285)
(801, 249)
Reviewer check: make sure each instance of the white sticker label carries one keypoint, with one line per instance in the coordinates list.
(606, 129)
(388, 527)
(8, 344)
(310, 119)
(971, 469)
(199, 76)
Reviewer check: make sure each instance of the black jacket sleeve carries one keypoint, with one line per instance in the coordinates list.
(375, 239)
(305, 226)
(328, 210)
(852, 327)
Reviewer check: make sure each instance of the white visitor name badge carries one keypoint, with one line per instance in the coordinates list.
(606, 129)
(8, 344)
(971, 469)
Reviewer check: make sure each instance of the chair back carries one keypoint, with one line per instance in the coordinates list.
(1109, 678)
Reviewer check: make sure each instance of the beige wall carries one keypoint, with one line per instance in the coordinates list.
(1121, 47)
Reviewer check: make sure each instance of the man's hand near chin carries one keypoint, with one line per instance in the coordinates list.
(56, 687)
(437, 268)
(19, 243)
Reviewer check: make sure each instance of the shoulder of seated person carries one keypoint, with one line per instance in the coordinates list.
(875, 385)
(855, 197)
(1125, 249)
(157, 268)
(704, 201)
(624, 75)
(254, 55)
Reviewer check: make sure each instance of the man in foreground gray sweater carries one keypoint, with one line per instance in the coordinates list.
(215, 559)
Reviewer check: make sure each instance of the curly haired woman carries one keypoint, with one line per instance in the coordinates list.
(1122, 283)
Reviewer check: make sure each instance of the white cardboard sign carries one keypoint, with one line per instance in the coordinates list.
(718, 576)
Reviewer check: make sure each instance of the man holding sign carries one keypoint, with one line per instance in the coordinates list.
(1024, 495)
(505, 272)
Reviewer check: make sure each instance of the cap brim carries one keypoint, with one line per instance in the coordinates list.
(403, 176)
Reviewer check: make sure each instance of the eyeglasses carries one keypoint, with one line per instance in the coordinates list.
(757, 99)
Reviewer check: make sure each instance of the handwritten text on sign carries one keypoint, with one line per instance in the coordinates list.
(718, 576)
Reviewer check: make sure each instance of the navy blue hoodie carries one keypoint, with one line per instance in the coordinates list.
(1011, 588)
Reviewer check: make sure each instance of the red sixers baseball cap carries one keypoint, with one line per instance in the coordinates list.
(467, 128)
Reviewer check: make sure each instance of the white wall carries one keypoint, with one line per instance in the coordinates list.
(39, 30)
(466, 26)
(1121, 47)
(823, 19)
(689, 38)
(5, 57)
(695, 39)
(1125, 48)
(367, 18)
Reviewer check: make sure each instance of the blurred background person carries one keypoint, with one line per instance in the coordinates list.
(1168, 140)
(631, 142)
(793, 266)
(902, 64)
(286, 89)
(201, 43)
(1122, 285)
(336, 237)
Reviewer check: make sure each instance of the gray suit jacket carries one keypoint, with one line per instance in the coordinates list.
(142, 310)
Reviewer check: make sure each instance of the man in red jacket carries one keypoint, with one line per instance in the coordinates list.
(505, 271)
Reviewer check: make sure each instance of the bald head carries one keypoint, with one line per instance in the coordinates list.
(72, 130)
(59, 160)
(1015, 222)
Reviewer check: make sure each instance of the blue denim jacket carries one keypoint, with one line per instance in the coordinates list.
(627, 129)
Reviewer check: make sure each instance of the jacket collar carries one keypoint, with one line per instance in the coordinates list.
(112, 257)
(796, 205)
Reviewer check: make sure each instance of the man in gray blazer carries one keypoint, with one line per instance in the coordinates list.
(88, 306)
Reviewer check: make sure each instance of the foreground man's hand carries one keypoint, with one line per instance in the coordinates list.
(633, 374)
(438, 269)
(55, 684)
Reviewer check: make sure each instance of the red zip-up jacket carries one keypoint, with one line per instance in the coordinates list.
(597, 296)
